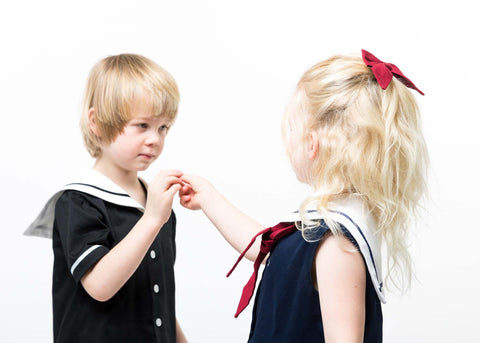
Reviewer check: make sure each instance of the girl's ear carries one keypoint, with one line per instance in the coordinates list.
(92, 123)
(313, 146)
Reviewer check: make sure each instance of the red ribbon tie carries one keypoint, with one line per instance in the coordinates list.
(269, 238)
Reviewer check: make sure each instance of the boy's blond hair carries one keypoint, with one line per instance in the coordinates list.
(115, 84)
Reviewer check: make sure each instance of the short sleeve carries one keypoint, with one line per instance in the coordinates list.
(82, 231)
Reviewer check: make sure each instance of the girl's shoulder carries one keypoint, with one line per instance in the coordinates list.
(357, 224)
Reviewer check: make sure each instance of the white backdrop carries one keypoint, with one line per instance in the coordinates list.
(236, 64)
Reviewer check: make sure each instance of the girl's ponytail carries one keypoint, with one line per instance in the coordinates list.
(371, 145)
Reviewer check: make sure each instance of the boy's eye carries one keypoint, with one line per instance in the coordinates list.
(142, 125)
(164, 128)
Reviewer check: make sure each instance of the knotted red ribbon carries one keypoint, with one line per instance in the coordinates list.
(384, 72)
(269, 237)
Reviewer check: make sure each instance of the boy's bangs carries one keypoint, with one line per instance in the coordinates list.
(158, 101)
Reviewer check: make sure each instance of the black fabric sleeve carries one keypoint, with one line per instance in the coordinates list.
(81, 223)
(173, 217)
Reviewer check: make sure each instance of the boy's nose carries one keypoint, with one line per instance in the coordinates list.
(153, 138)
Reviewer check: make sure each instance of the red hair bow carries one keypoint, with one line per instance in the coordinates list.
(384, 72)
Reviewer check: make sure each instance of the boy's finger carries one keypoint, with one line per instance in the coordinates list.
(187, 178)
(173, 190)
(171, 180)
(172, 172)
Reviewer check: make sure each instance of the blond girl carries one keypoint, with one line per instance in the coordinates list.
(352, 132)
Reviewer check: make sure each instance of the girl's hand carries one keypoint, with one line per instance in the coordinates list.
(236, 227)
(160, 196)
(194, 192)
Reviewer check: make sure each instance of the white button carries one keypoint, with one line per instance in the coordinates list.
(158, 322)
(152, 254)
(156, 289)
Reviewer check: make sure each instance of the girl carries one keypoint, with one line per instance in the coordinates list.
(352, 132)
(114, 240)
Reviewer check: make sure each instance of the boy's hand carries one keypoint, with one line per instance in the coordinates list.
(194, 191)
(160, 195)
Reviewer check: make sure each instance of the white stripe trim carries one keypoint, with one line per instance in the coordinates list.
(82, 257)
(105, 195)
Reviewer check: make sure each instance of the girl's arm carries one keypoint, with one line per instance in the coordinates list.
(341, 281)
(235, 226)
(111, 272)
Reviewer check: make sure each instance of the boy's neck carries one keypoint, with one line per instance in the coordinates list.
(120, 177)
(127, 180)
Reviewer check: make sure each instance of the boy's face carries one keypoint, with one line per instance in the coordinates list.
(140, 143)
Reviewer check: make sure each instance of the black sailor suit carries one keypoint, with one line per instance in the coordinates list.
(85, 220)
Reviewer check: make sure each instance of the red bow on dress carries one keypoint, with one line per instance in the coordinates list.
(269, 237)
(384, 72)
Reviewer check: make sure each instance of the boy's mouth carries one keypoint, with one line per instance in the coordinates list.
(147, 156)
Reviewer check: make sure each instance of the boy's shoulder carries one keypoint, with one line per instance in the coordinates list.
(75, 198)
(91, 185)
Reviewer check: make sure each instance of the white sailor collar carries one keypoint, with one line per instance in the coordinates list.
(93, 183)
(352, 213)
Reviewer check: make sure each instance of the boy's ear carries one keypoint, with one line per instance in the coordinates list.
(92, 122)
(313, 146)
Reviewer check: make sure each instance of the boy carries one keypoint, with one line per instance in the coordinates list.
(114, 246)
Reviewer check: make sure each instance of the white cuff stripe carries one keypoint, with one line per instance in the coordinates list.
(82, 257)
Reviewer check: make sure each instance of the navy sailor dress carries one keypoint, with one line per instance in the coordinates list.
(287, 307)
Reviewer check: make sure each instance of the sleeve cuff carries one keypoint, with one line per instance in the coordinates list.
(87, 260)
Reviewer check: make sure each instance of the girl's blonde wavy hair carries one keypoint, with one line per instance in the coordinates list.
(371, 145)
(114, 86)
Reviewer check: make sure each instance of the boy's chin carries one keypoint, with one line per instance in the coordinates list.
(141, 167)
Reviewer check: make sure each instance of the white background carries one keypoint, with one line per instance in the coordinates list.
(236, 64)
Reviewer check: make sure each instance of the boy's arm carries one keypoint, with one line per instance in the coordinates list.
(114, 269)
(180, 336)
(235, 226)
(341, 281)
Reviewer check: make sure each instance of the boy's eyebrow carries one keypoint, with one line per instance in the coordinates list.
(144, 117)
(150, 118)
